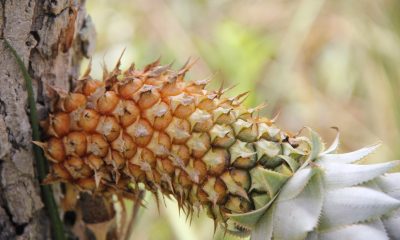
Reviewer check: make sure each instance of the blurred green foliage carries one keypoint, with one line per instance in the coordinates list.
(318, 63)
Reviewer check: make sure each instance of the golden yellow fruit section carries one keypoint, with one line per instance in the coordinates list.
(155, 128)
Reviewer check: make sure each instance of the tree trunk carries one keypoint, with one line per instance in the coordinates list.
(51, 36)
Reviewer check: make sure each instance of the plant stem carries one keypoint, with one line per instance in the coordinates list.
(135, 211)
(41, 163)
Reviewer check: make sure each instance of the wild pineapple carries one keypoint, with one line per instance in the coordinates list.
(153, 127)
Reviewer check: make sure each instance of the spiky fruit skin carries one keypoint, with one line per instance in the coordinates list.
(153, 127)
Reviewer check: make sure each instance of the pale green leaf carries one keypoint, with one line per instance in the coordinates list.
(346, 175)
(347, 157)
(263, 229)
(260, 200)
(390, 184)
(294, 218)
(250, 219)
(267, 180)
(294, 165)
(354, 204)
(335, 144)
(374, 231)
(312, 236)
(316, 144)
(392, 225)
(296, 184)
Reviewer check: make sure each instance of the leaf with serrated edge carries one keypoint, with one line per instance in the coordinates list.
(347, 157)
(390, 184)
(375, 231)
(353, 205)
(317, 145)
(294, 218)
(260, 200)
(250, 219)
(263, 229)
(335, 144)
(267, 180)
(392, 225)
(346, 175)
(293, 164)
(296, 184)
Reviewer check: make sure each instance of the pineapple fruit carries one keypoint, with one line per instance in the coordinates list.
(155, 129)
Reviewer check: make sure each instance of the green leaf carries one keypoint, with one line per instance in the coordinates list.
(335, 144)
(294, 218)
(392, 225)
(390, 184)
(267, 180)
(375, 231)
(250, 219)
(347, 157)
(316, 144)
(346, 175)
(260, 200)
(294, 165)
(296, 184)
(312, 236)
(264, 228)
(353, 205)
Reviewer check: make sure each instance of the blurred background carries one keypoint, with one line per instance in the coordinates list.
(317, 63)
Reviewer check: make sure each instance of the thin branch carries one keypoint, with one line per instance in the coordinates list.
(135, 211)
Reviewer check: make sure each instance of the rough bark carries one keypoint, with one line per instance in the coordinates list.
(51, 36)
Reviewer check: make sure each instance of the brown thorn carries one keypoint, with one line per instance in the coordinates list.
(223, 91)
(191, 216)
(50, 179)
(160, 70)
(117, 175)
(152, 65)
(88, 69)
(258, 108)
(52, 90)
(186, 67)
(105, 71)
(244, 99)
(42, 145)
(244, 94)
(215, 227)
(119, 60)
(158, 202)
(163, 197)
(131, 68)
(104, 66)
(221, 88)
(204, 81)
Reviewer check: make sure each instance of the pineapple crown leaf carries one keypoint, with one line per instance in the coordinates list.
(352, 205)
(339, 175)
(264, 227)
(301, 212)
(250, 219)
(317, 146)
(372, 230)
(389, 184)
(335, 144)
(316, 180)
(348, 157)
